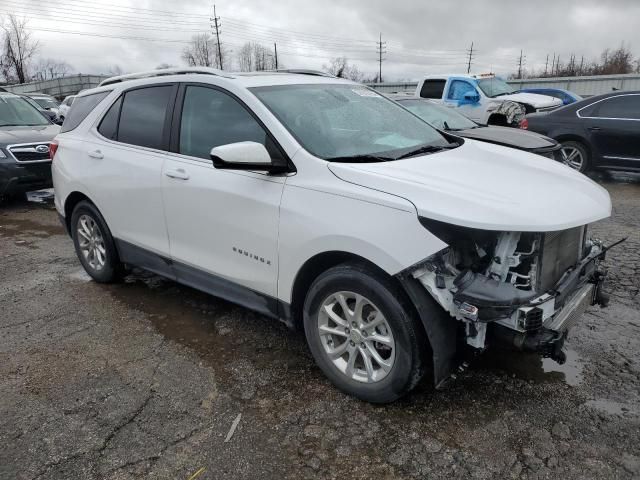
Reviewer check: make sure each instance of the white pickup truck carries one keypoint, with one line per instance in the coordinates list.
(485, 98)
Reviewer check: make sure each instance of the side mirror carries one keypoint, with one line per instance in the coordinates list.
(471, 97)
(241, 156)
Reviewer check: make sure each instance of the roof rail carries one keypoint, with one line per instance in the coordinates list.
(164, 72)
(303, 71)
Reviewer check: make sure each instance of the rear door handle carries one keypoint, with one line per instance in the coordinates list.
(178, 173)
(97, 154)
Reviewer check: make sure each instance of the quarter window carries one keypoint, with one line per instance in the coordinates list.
(83, 106)
(109, 125)
(211, 118)
(432, 88)
(624, 106)
(142, 116)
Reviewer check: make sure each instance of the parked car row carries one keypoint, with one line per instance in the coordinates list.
(389, 240)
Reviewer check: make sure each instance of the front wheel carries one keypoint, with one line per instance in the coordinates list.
(363, 334)
(575, 155)
(94, 244)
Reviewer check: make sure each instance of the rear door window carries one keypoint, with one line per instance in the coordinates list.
(624, 106)
(143, 116)
(432, 88)
(82, 107)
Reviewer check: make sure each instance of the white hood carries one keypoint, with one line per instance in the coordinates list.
(487, 186)
(533, 99)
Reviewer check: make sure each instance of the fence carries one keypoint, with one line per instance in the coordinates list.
(585, 86)
(58, 87)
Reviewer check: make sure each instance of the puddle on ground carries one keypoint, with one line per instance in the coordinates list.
(608, 406)
(12, 227)
(217, 330)
(528, 366)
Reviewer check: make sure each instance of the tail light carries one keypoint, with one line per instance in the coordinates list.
(524, 124)
(53, 148)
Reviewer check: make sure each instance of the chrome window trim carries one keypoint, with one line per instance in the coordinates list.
(609, 118)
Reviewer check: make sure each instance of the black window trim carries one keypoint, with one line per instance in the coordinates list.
(605, 99)
(177, 118)
(166, 129)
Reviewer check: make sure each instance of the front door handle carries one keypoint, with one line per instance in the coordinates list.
(97, 154)
(178, 173)
(594, 129)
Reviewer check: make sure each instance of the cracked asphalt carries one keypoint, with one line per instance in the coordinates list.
(144, 379)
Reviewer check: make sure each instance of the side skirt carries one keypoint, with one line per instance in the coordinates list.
(204, 281)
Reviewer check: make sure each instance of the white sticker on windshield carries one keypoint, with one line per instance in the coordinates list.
(364, 92)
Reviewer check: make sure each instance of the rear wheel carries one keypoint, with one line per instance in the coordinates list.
(576, 155)
(94, 244)
(363, 335)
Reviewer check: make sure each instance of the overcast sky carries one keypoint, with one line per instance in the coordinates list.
(422, 36)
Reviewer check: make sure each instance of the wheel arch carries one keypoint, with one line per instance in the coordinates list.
(70, 203)
(320, 263)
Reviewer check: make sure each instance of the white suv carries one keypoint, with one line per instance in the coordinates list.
(319, 202)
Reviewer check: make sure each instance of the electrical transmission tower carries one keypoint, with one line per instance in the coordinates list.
(381, 49)
(216, 26)
(470, 51)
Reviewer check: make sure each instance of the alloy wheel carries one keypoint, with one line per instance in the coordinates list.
(356, 337)
(91, 242)
(572, 156)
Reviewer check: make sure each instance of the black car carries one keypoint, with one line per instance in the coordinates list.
(25, 135)
(597, 132)
(449, 120)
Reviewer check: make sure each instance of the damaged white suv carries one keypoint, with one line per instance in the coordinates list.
(319, 202)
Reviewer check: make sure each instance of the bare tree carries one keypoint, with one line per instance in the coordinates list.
(253, 56)
(341, 68)
(202, 51)
(48, 68)
(18, 47)
(115, 70)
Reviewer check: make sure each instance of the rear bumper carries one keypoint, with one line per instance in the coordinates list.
(16, 178)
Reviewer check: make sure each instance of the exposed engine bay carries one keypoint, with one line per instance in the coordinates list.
(525, 289)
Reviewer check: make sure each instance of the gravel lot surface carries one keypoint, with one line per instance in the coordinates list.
(144, 380)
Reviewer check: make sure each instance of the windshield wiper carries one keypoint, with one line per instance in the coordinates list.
(427, 149)
(368, 158)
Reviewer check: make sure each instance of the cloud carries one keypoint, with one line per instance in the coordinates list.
(421, 36)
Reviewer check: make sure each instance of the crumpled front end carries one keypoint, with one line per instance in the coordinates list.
(519, 289)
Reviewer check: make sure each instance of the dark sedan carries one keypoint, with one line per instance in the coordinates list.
(597, 132)
(449, 120)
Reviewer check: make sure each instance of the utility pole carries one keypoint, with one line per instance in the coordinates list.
(553, 63)
(470, 57)
(520, 65)
(381, 48)
(558, 65)
(216, 25)
(546, 64)
(275, 52)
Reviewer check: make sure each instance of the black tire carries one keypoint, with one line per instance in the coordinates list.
(411, 343)
(584, 151)
(113, 269)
